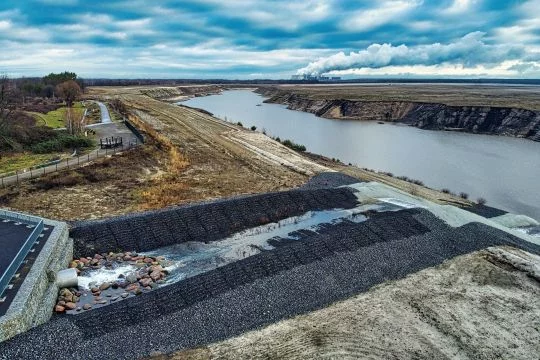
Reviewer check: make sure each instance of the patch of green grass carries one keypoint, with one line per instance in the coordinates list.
(56, 119)
(13, 162)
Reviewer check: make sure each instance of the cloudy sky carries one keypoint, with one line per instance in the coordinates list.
(271, 39)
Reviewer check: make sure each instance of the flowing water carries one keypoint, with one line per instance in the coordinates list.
(192, 258)
(503, 170)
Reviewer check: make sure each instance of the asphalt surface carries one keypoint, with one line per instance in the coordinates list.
(292, 279)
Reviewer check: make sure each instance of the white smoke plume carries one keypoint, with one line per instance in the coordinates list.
(468, 51)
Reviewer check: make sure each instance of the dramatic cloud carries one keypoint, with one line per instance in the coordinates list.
(469, 51)
(270, 39)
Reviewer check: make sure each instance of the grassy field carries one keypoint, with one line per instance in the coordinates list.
(56, 119)
(21, 161)
(526, 97)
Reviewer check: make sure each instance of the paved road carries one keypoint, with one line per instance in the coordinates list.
(105, 117)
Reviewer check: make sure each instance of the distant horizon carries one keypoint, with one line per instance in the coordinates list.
(249, 39)
(373, 79)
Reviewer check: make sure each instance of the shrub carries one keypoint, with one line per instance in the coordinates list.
(278, 139)
(294, 146)
(463, 195)
(446, 191)
(61, 142)
(253, 128)
(481, 201)
(417, 182)
(240, 124)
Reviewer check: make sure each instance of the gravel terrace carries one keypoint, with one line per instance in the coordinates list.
(292, 279)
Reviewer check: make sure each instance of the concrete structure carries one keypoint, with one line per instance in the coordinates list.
(29, 301)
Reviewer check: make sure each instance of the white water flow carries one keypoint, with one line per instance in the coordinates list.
(100, 276)
(193, 258)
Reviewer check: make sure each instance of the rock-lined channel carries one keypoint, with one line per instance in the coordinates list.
(108, 278)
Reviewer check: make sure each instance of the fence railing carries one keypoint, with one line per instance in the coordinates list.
(134, 130)
(5, 278)
(60, 165)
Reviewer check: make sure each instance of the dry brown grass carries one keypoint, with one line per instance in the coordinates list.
(455, 95)
(177, 161)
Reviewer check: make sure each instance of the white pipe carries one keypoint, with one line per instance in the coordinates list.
(67, 278)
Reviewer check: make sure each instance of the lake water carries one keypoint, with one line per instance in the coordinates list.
(503, 170)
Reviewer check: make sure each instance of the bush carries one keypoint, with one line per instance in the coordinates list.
(61, 142)
(417, 182)
(481, 201)
(446, 191)
(240, 124)
(278, 139)
(294, 146)
(253, 128)
(463, 195)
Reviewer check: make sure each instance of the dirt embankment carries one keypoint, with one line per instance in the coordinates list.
(506, 121)
(477, 306)
(179, 93)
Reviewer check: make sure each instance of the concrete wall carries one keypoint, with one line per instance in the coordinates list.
(34, 301)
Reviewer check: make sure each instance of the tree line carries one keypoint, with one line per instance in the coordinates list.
(47, 86)
(18, 129)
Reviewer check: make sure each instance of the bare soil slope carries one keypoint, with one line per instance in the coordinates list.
(482, 305)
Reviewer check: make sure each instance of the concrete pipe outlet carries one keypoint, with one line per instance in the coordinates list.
(67, 278)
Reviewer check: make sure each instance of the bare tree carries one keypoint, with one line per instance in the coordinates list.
(70, 91)
(8, 105)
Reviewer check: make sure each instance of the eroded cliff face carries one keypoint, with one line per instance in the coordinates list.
(476, 119)
(178, 93)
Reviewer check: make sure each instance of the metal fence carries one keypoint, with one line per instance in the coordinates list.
(60, 165)
(38, 225)
(134, 130)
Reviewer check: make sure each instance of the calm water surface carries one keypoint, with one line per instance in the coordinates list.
(504, 170)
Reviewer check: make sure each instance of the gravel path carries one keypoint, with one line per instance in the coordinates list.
(265, 288)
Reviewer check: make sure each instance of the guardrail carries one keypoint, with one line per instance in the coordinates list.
(11, 270)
